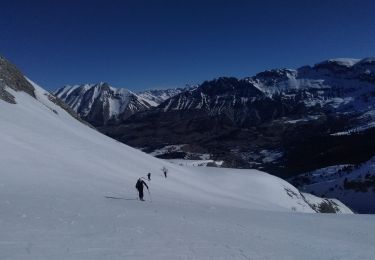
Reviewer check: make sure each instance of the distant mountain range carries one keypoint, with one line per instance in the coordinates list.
(101, 104)
(267, 120)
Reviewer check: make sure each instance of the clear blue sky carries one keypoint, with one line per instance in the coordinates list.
(149, 44)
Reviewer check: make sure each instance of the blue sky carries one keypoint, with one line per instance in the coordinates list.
(157, 44)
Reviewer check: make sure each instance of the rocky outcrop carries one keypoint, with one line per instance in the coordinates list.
(11, 77)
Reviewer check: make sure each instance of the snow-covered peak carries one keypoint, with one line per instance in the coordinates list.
(345, 62)
(101, 103)
(98, 88)
(156, 96)
(278, 74)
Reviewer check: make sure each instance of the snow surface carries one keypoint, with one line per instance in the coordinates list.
(57, 172)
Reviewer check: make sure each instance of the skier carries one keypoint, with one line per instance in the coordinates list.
(149, 176)
(165, 170)
(139, 187)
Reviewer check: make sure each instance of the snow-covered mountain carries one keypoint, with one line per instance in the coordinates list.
(67, 192)
(336, 85)
(101, 104)
(157, 96)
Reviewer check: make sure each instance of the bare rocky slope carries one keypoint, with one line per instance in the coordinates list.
(11, 77)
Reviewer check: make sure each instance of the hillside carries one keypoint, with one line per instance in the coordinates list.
(352, 184)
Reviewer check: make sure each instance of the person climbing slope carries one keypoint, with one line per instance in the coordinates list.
(165, 171)
(139, 187)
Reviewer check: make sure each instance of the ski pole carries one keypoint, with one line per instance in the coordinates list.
(149, 194)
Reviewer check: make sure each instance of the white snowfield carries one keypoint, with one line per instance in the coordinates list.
(67, 192)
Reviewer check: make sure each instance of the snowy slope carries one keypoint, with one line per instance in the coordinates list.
(56, 174)
(354, 185)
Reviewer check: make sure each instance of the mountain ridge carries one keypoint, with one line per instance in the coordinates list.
(101, 104)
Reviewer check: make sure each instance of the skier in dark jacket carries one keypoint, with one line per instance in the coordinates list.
(149, 176)
(164, 170)
(139, 187)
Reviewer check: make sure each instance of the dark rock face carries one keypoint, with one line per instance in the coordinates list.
(11, 77)
(6, 96)
(282, 121)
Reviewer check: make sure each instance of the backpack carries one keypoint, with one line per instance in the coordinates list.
(138, 185)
